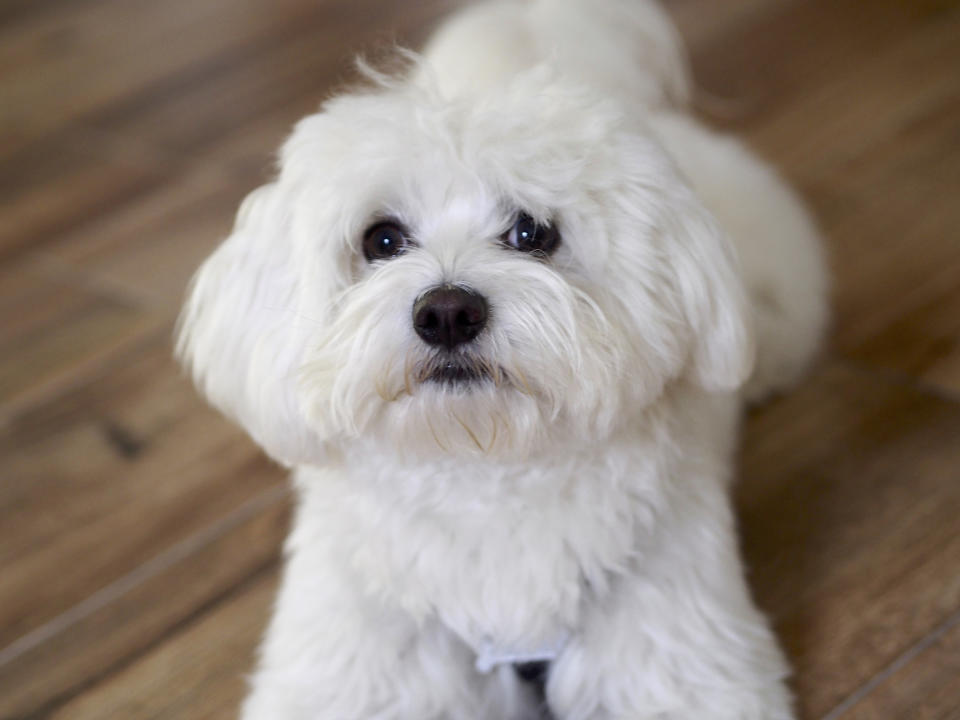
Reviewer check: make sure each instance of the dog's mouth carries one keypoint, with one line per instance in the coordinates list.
(459, 372)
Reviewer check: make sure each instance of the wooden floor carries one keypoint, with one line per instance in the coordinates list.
(139, 532)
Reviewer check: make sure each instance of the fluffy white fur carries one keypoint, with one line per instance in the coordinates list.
(581, 492)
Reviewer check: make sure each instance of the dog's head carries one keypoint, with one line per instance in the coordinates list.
(477, 275)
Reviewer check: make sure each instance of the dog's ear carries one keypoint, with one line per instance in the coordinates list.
(239, 334)
(712, 297)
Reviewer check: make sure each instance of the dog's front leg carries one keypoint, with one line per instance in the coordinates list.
(679, 638)
(333, 652)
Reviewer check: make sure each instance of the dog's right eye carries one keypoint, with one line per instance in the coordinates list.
(528, 236)
(384, 240)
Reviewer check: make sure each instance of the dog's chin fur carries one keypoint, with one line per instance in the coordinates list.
(562, 474)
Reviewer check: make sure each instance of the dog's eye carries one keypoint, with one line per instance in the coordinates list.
(529, 237)
(384, 240)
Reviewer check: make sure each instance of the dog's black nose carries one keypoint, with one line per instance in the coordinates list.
(449, 316)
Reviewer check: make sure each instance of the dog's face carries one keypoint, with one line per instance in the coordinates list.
(502, 275)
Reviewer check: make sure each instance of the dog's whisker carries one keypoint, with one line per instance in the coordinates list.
(406, 375)
(493, 434)
(491, 370)
(523, 381)
(469, 432)
(380, 385)
(436, 438)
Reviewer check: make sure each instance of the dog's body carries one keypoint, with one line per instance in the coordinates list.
(548, 479)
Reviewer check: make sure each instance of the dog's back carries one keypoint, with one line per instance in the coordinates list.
(621, 48)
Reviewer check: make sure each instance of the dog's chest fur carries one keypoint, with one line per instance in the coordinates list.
(503, 555)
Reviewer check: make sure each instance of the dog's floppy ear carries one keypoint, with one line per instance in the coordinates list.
(239, 334)
(712, 297)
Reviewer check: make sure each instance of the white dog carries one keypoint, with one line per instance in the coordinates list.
(491, 313)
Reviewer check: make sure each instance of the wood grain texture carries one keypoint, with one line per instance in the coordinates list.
(924, 685)
(147, 249)
(134, 614)
(140, 532)
(56, 326)
(88, 56)
(849, 502)
(60, 184)
(196, 673)
(130, 454)
(287, 76)
(126, 471)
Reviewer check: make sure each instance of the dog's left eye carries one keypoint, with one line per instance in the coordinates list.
(528, 236)
(384, 240)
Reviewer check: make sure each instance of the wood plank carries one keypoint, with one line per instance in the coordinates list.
(289, 77)
(48, 187)
(849, 499)
(784, 57)
(15, 10)
(924, 686)
(899, 251)
(197, 673)
(149, 248)
(54, 328)
(135, 443)
(58, 68)
(112, 49)
(923, 339)
(109, 475)
(703, 24)
(131, 616)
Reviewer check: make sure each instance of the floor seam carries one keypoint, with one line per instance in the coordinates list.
(897, 664)
(140, 574)
(52, 705)
(894, 376)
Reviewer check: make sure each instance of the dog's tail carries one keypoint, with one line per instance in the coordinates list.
(624, 48)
